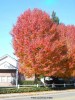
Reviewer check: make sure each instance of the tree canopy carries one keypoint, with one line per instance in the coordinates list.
(43, 46)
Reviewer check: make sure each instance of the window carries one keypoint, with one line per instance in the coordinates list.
(10, 79)
(3, 79)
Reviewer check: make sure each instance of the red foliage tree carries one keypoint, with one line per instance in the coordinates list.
(40, 44)
(67, 36)
(70, 38)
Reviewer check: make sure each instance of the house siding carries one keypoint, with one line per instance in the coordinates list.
(5, 77)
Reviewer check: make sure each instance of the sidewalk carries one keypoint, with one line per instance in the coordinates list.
(33, 93)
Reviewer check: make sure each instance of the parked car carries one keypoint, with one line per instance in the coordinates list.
(56, 81)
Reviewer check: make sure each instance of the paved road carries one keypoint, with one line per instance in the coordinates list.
(64, 95)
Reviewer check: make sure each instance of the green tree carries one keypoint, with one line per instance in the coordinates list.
(54, 17)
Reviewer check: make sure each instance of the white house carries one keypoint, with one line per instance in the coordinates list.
(8, 71)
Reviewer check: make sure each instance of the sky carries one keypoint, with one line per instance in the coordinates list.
(10, 10)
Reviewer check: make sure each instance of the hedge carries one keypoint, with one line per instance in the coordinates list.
(26, 82)
(22, 90)
(30, 83)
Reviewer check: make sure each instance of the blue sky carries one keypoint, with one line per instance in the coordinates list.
(11, 9)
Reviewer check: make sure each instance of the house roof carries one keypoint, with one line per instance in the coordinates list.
(7, 65)
(7, 62)
(5, 56)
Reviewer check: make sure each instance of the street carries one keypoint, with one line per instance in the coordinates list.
(64, 95)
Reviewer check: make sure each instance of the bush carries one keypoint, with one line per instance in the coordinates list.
(27, 82)
(30, 83)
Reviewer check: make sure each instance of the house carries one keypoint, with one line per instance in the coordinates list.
(8, 71)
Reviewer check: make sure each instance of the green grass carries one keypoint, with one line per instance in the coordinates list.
(22, 90)
(30, 89)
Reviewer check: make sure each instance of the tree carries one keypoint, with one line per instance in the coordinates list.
(41, 45)
(36, 43)
(70, 38)
(55, 18)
